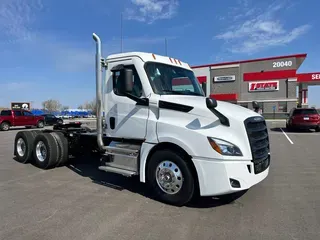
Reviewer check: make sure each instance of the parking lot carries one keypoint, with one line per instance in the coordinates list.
(80, 202)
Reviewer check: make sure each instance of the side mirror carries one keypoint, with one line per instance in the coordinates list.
(128, 83)
(211, 103)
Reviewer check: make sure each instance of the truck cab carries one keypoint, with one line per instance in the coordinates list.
(160, 126)
(158, 101)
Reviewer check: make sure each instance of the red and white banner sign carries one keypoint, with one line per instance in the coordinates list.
(263, 86)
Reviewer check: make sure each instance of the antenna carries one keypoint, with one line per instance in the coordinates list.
(166, 47)
(121, 33)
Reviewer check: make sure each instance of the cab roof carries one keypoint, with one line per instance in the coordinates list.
(150, 57)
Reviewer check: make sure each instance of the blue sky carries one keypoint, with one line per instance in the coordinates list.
(47, 49)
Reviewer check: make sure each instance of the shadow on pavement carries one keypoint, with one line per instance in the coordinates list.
(88, 167)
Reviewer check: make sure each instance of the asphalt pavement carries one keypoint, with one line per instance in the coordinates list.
(80, 202)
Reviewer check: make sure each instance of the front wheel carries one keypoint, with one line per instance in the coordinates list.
(170, 178)
(40, 124)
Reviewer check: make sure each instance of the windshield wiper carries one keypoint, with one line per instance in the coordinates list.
(172, 91)
(194, 93)
(181, 92)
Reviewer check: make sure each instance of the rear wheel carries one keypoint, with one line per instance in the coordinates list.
(170, 178)
(45, 150)
(63, 148)
(4, 126)
(23, 146)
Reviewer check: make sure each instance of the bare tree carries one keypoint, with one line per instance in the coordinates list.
(51, 105)
(64, 108)
(91, 106)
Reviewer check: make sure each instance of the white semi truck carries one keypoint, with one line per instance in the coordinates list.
(160, 125)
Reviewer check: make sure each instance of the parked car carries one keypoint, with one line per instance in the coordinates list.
(51, 119)
(17, 118)
(303, 118)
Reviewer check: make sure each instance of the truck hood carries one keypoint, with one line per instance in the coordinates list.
(230, 110)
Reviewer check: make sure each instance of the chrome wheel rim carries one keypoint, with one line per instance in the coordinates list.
(41, 151)
(40, 124)
(169, 177)
(5, 127)
(21, 147)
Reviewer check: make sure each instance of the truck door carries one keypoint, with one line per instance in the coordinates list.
(28, 118)
(124, 118)
(18, 118)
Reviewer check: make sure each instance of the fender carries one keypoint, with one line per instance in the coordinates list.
(146, 148)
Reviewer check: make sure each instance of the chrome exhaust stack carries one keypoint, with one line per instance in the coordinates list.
(99, 100)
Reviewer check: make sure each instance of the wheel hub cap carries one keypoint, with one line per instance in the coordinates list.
(41, 151)
(21, 147)
(169, 177)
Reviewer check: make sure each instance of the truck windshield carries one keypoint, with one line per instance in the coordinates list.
(168, 79)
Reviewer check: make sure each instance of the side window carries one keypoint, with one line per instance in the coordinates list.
(17, 113)
(118, 82)
(28, 114)
(5, 113)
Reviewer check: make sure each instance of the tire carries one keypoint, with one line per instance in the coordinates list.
(63, 148)
(317, 129)
(36, 132)
(184, 193)
(23, 146)
(46, 142)
(40, 124)
(5, 126)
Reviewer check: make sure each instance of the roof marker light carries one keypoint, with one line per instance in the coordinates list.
(154, 56)
(175, 60)
(170, 60)
(179, 62)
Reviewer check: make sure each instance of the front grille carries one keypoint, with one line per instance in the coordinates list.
(257, 131)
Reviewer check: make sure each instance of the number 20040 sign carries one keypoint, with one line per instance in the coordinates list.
(282, 64)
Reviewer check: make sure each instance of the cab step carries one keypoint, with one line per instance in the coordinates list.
(124, 172)
(116, 150)
(123, 148)
(122, 158)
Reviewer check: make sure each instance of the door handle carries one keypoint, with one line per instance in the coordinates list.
(112, 122)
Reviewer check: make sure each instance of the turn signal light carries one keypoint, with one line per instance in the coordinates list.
(215, 146)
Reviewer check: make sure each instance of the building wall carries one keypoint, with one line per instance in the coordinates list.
(227, 86)
(287, 89)
(205, 71)
(269, 65)
(292, 89)
(250, 96)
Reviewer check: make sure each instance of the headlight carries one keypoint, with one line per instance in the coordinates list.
(224, 148)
